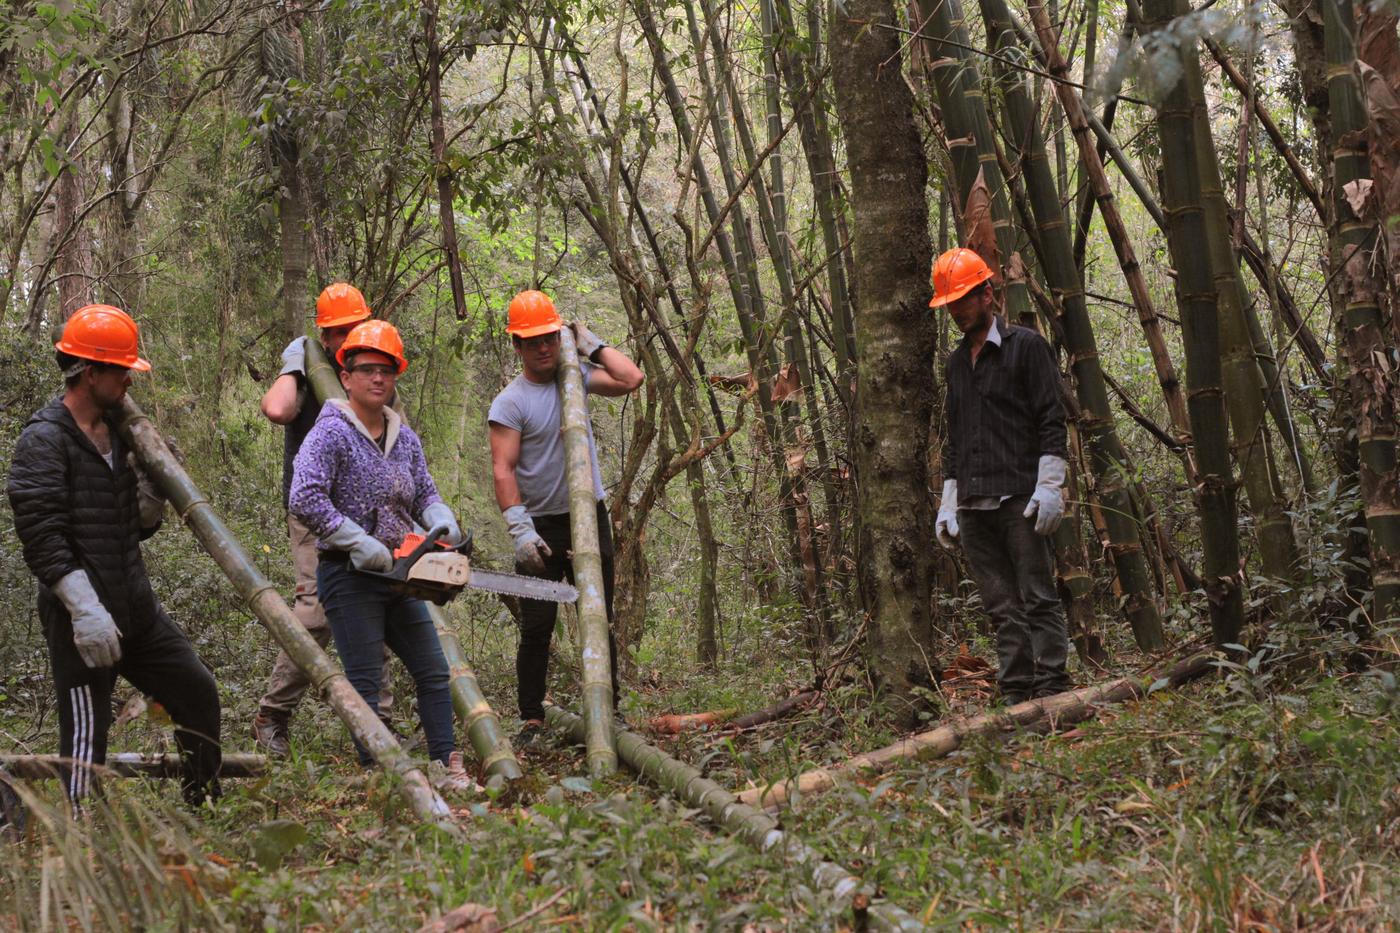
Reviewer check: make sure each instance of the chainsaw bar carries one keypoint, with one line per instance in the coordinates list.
(513, 584)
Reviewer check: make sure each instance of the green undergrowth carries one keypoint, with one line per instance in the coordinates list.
(1266, 795)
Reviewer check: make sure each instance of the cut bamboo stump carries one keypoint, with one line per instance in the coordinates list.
(755, 827)
(483, 728)
(265, 602)
(129, 764)
(1071, 706)
(597, 698)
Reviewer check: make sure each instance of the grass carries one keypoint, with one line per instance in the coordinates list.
(1267, 797)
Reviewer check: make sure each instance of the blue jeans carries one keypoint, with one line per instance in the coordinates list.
(1015, 573)
(365, 615)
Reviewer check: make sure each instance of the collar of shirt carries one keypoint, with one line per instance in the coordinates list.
(994, 337)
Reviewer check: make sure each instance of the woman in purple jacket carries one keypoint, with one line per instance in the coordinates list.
(360, 483)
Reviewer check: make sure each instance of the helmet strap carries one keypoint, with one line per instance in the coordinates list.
(76, 368)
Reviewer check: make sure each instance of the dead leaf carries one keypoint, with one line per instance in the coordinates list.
(132, 710)
(1357, 194)
(977, 231)
(469, 918)
(787, 383)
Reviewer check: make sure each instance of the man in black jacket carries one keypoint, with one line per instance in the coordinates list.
(1003, 467)
(81, 510)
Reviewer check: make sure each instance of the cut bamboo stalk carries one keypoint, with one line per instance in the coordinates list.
(265, 602)
(483, 727)
(754, 826)
(587, 561)
(1071, 706)
(129, 764)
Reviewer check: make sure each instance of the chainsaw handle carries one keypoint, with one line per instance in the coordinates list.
(428, 543)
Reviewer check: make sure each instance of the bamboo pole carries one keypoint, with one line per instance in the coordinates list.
(129, 764)
(587, 561)
(265, 602)
(754, 826)
(483, 728)
(1068, 707)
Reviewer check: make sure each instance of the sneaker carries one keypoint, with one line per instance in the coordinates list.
(531, 734)
(270, 732)
(452, 778)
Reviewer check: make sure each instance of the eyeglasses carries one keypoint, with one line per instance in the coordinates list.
(376, 369)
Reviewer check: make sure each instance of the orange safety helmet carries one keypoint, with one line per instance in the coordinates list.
(103, 334)
(380, 336)
(340, 303)
(955, 273)
(532, 314)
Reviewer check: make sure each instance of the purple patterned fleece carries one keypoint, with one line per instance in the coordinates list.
(340, 473)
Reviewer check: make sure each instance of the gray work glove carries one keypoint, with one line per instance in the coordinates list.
(439, 514)
(150, 501)
(1047, 503)
(946, 527)
(294, 357)
(366, 552)
(588, 342)
(95, 635)
(530, 549)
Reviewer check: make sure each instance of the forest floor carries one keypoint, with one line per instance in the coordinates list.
(1266, 796)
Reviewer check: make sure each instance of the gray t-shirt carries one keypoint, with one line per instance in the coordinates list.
(533, 410)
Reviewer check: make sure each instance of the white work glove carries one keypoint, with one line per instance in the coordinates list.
(366, 552)
(150, 501)
(946, 527)
(588, 343)
(95, 635)
(439, 514)
(294, 357)
(530, 549)
(1048, 501)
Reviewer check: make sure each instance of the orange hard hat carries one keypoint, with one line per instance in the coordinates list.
(103, 334)
(380, 336)
(955, 273)
(532, 314)
(340, 303)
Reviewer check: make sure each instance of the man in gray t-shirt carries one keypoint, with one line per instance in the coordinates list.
(527, 464)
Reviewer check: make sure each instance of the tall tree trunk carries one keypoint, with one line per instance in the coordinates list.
(894, 341)
(442, 172)
(1196, 299)
(1106, 457)
(1369, 348)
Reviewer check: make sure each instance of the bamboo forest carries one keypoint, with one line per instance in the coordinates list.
(749, 465)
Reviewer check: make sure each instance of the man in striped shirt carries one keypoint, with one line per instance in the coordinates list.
(1003, 467)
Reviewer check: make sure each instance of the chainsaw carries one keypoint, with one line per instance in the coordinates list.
(427, 567)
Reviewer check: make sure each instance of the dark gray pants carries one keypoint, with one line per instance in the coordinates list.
(1015, 573)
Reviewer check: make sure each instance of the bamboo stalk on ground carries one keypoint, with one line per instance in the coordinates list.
(129, 764)
(754, 826)
(597, 698)
(265, 602)
(483, 728)
(1071, 706)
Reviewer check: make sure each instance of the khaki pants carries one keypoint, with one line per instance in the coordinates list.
(288, 684)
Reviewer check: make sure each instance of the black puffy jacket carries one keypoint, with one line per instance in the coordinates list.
(73, 512)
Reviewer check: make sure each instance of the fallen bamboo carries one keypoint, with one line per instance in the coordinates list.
(129, 764)
(1068, 707)
(676, 723)
(265, 602)
(596, 669)
(483, 728)
(756, 827)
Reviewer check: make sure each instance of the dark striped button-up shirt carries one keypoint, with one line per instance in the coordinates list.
(1002, 414)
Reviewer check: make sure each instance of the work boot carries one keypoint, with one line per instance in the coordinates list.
(270, 732)
(452, 778)
(531, 734)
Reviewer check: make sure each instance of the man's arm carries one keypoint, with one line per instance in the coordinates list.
(505, 456)
(279, 404)
(614, 374)
(1045, 399)
(38, 490)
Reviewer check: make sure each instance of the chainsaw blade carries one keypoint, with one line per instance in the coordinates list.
(513, 584)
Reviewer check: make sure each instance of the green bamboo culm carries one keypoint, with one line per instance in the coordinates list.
(754, 826)
(1200, 324)
(587, 561)
(1353, 242)
(267, 604)
(483, 728)
(1106, 455)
